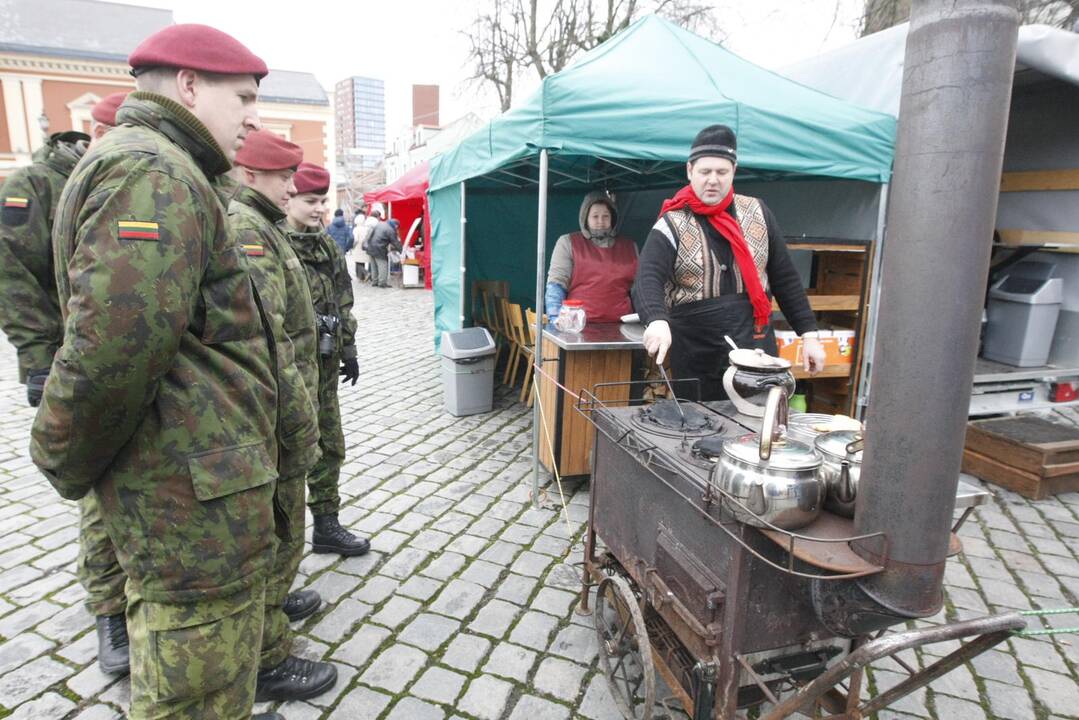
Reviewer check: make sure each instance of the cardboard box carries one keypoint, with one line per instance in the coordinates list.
(838, 346)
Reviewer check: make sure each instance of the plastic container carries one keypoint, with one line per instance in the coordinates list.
(1023, 310)
(468, 371)
(572, 317)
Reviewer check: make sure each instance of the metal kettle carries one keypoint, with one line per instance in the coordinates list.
(775, 480)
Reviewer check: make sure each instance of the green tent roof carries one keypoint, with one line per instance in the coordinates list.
(643, 95)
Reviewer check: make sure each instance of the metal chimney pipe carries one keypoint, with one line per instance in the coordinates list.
(957, 82)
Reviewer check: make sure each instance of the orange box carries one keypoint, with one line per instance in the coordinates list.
(838, 346)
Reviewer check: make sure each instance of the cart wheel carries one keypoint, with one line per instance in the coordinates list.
(624, 652)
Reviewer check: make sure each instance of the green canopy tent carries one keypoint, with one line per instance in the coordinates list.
(622, 118)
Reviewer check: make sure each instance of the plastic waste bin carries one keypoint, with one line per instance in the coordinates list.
(1022, 315)
(468, 371)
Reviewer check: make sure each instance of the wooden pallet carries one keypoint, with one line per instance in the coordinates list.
(1027, 454)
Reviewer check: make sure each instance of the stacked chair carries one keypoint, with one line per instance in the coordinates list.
(513, 329)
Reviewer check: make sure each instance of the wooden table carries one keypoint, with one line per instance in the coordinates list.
(602, 353)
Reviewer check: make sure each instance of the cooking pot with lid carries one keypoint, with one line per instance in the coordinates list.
(752, 373)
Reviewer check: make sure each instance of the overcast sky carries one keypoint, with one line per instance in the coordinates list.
(421, 41)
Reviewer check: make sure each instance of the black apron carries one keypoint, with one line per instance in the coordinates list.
(698, 349)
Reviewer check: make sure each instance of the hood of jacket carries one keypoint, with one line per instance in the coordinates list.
(597, 196)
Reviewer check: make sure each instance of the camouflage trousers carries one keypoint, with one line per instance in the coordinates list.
(322, 495)
(97, 567)
(276, 633)
(195, 661)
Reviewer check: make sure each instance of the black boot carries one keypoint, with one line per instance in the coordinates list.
(112, 644)
(330, 537)
(295, 679)
(268, 716)
(301, 604)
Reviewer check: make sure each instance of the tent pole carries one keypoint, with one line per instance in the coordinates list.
(464, 289)
(869, 342)
(541, 251)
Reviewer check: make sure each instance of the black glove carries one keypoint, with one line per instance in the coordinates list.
(35, 386)
(350, 370)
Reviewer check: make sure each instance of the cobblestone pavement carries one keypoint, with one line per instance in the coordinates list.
(463, 608)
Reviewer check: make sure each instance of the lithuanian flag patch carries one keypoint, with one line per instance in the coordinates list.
(16, 202)
(137, 230)
(253, 249)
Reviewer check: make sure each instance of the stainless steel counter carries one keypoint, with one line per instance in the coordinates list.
(598, 336)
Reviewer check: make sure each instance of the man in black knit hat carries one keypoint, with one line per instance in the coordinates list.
(711, 266)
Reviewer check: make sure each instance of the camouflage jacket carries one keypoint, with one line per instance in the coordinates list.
(29, 308)
(329, 281)
(163, 396)
(282, 285)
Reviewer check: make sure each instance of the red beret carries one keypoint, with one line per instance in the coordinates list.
(311, 178)
(105, 110)
(197, 47)
(265, 150)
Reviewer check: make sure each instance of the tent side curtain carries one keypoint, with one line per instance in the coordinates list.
(445, 206)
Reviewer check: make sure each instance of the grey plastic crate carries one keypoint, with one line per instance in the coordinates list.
(468, 371)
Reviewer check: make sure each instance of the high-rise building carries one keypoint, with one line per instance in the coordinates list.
(360, 110)
(425, 105)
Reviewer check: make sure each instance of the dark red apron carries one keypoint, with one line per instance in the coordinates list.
(602, 277)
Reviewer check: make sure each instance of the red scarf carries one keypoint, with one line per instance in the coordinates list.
(729, 228)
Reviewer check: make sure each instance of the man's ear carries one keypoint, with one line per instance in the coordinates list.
(689, 169)
(187, 86)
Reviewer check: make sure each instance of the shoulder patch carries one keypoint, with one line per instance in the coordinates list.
(253, 249)
(137, 230)
(15, 211)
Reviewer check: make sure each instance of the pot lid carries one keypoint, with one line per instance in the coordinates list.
(757, 360)
(786, 454)
(570, 302)
(834, 444)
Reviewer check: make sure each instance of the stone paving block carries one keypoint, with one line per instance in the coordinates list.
(957, 683)
(411, 708)
(444, 566)
(80, 651)
(102, 712)
(465, 652)
(494, 618)
(468, 545)
(21, 649)
(332, 585)
(67, 624)
(298, 710)
(91, 681)
(530, 707)
(428, 631)
(510, 661)
(387, 541)
(482, 573)
(359, 565)
(516, 588)
(395, 612)
(914, 703)
(375, 589)
(28, 681)
(576, 642)
(419, 588)
(394, 668)
(49, 706)
(1059, 693)
(359, 648)
(1039, 652)
(1009, 702)
(439, 685)
(361, 704)
(534, 630)
(458, 599)
(598, 703)
(559, 678)
(338, 623)
(553, 602)
(485, 697)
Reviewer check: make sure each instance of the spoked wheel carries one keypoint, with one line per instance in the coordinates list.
(624, 652)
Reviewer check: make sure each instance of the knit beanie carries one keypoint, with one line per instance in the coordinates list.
(715, 141)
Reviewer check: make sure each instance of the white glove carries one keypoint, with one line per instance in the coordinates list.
(812, 354)
(657, 339)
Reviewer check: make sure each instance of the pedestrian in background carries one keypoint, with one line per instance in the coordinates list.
(383, 239)
(338, 229)
(361, 260)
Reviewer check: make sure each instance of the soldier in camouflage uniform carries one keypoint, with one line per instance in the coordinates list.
(265, 165)
(30, 315)
(162, 400)
(331, 292)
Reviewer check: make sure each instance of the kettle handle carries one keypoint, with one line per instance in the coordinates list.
(776, 417)
(740, 403)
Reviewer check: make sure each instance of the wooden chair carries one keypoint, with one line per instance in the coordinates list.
(513, 324)
(528, 389)
(484, 293)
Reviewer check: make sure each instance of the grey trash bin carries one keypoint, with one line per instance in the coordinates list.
(1023, 310)
(468, 371)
